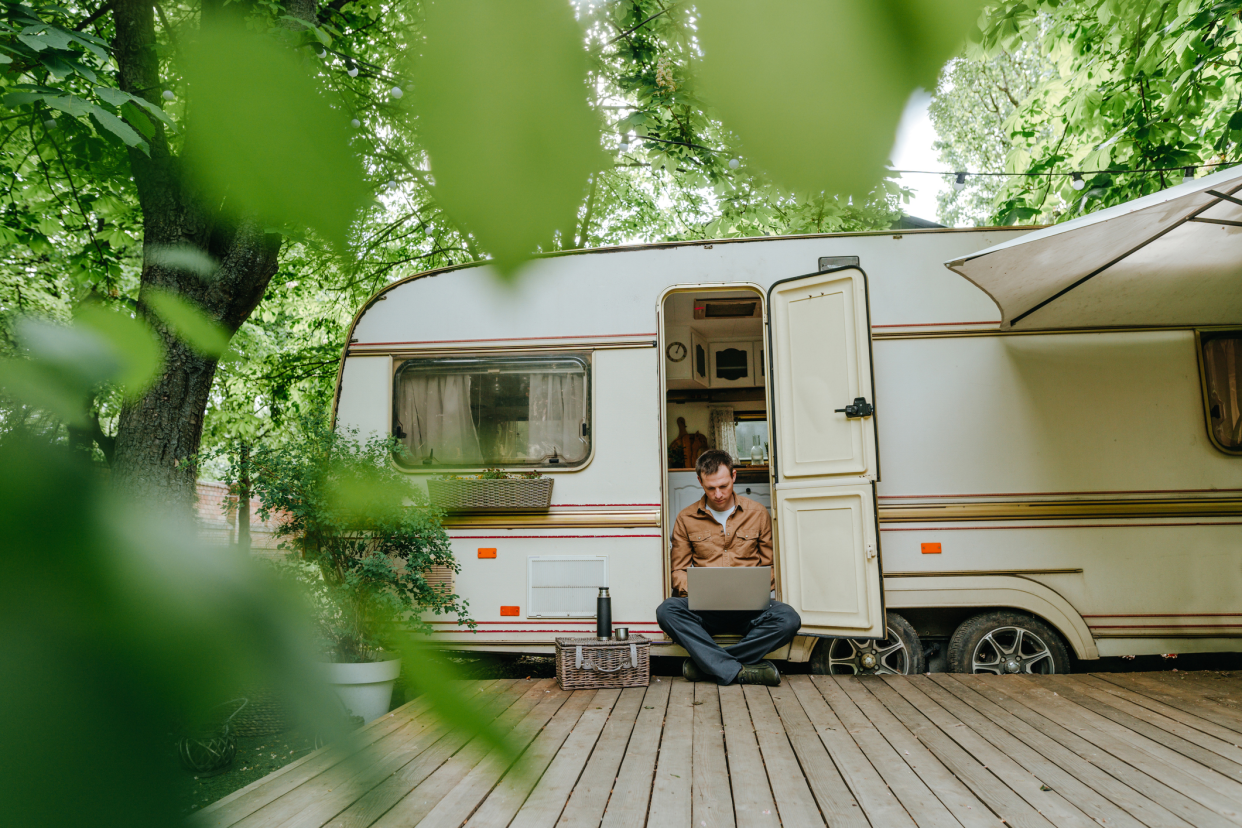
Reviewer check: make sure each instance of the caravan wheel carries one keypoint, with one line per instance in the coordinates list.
(1007, 642)
(900, 653)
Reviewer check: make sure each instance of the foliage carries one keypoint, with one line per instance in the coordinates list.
(1137, 85)
(492, 474)
(970, 110)
(366, 536)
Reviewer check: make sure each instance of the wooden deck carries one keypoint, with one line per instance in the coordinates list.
(941, 751)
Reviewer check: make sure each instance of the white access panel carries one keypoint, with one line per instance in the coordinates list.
(834, 580)
(821, 363)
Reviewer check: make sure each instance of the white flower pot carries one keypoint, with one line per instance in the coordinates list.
(366, 689)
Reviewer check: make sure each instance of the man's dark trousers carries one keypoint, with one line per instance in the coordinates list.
(762, 632)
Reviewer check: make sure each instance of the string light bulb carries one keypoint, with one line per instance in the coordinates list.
(734, 163)
(1076, 181)
(1188, 175)
(351, 68)
(355, 123)
(167, 95)
(322, 53)
(625, 145)
(395, 93)
(959, 183)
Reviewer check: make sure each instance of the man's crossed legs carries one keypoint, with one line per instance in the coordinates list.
(762, 632)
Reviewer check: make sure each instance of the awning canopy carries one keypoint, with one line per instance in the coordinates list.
(1171, 258)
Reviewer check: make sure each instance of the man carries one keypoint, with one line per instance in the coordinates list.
(724, 529)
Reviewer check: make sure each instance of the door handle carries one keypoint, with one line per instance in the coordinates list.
(859, 408)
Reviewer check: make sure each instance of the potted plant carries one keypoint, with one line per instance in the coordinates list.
(362, 540)
(494, 490)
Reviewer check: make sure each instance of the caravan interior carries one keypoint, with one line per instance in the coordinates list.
(715, 390)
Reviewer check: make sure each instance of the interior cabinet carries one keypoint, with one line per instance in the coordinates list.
(685, 358)
(732, 364)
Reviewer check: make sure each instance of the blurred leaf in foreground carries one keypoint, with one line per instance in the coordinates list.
(191, 325)
(815, 90)
(500, 96)
(267, 137)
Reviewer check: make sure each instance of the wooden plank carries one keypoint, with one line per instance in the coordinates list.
(390, 790)
(1083, 740)
(240, 804)
(1227, 751)
(670, 793)
(711, 800)
(590, 796)
(456, 806)
(434, 787)
(318, 800)
(968, 809)
(998, 749)
(1217, 791)
(833, 795)
(1174, 696)
(880, 781)
(996, 794)
(544, 805)
(794, 801)
(503, 802)
(1189, 719)
(1078, 770)
(627, 807)
(753, 804)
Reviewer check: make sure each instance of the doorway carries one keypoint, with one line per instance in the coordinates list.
(715, 392)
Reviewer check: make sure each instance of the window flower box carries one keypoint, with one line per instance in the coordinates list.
(505, 494)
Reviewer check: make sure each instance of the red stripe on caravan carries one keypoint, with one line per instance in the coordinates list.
(1048, 494)
(1052, 526)
(518, 537)
(936, 324)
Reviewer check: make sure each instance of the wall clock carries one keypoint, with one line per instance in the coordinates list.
(676, 351)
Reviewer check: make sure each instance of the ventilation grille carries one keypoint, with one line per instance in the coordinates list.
(440, 578)
(565, 586)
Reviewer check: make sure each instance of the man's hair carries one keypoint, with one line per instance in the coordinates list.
(711, 460)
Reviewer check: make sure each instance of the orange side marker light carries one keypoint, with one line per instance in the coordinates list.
(509, 610)
(931, 548)
(487, 553)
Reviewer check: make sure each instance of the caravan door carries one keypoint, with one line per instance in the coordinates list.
(824, 454)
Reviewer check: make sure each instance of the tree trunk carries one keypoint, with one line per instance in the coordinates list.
(243, 501)
(158, 434)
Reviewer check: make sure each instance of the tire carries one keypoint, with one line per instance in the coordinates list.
(900, 653)
(1005, 642)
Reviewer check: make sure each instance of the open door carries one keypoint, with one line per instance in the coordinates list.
(824, 453)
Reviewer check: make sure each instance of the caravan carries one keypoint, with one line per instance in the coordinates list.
(958, 479)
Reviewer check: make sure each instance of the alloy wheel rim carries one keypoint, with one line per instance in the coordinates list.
(1012, 651)
(848, 656)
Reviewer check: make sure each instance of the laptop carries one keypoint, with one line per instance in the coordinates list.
(738, 588)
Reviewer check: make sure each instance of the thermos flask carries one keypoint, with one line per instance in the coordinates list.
(603, 615)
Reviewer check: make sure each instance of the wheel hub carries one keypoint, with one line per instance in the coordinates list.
(1012, 666)
(868, 661)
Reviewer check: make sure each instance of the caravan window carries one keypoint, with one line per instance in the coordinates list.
(490, 411)
(1222, 378)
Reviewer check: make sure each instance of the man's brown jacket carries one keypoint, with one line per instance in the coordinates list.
(699, 540)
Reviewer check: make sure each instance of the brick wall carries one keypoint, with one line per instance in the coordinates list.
(217, 515)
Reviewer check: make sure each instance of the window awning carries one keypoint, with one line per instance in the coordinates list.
(1168, 259)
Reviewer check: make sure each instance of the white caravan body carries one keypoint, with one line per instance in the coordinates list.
(1070, 475)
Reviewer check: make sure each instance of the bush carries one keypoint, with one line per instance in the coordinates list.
(362, 538)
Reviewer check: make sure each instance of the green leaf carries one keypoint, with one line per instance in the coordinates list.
(191, 325)
(119, 128)
(138, 119)
(134, 345)
(5, 59)
(36, 43)
(815, 90)
(113, 96)
(501, 100)
(269, 139)
(16, 99)
(68, 104)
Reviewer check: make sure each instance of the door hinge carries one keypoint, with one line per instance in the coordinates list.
(859, 408)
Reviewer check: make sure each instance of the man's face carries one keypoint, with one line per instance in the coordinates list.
(719, 488)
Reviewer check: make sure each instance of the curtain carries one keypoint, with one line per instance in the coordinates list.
(724, 430)
(1222, 360)
(557, 412)
(435, 410)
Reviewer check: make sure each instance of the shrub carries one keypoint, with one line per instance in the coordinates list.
(361, 537)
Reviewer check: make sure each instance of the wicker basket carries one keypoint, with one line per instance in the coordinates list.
(510, 494)
(591, 664)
